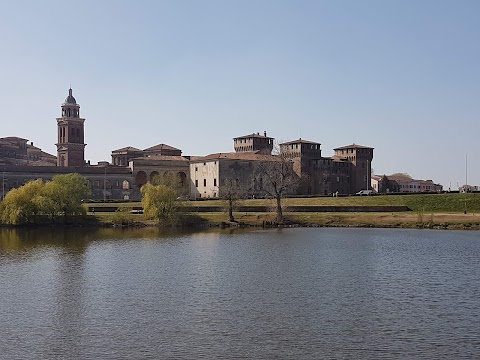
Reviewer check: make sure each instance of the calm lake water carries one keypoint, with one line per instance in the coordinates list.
(261, 294)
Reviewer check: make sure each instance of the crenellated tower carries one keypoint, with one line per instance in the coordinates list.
(71, 140)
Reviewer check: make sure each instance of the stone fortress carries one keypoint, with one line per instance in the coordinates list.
(346, 172)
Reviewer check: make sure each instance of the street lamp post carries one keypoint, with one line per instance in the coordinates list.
(466, 182)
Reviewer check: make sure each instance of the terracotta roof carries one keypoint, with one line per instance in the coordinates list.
(254, 135)
(162, 157)
(128, 148)
(160, 147)
(15, 138)
(354, 146)
(45, 154)
(300, 141)
(400, 177)
(33, 147)
(246, 155)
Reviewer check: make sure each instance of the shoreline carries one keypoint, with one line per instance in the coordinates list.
(400, 220)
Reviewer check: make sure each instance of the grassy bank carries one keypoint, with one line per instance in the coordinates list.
(427, 203)
(397, 220)
(422, 202)
(428, 211)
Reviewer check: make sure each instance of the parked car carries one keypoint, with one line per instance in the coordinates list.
(365, 192)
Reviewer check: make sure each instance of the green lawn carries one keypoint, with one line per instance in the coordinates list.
(426, 203)
(419, 203)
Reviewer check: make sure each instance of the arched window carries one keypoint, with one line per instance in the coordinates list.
(153, 176)
(182, 178)
(141, 178)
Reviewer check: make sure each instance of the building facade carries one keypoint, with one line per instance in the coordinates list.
(346, 172)
(213, 175)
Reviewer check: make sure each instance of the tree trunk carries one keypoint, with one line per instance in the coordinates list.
(279, 209)
(230, 211)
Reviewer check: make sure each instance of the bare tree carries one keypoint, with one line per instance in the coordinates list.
(231, 192)
(277, 178)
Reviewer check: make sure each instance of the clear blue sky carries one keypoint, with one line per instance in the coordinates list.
(400, 76)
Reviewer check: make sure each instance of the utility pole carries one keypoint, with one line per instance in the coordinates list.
(466, 182)
(466, 170)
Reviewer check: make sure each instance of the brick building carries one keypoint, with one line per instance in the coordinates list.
(346, 172)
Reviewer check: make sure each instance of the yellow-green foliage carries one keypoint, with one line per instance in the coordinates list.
(21, 205)
(172, 181)
(159, 202)
(60, 197)
(66, 192)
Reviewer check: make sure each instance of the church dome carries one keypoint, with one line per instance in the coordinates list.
(70, 99)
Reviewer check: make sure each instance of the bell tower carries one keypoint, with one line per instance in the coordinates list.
(70, 141)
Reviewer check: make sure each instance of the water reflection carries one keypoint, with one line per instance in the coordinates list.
(76, 239)
(222, 294)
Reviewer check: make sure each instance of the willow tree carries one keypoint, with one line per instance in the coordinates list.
(159, 203)
(60, 197)
(63, 195)
(173, 181)
(20, 205)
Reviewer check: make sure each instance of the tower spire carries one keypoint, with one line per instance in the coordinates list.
(71, 143)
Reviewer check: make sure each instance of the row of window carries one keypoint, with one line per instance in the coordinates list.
(96, 183)
(204, 164)
(70, 112)
(410, 186)
(205, 182)
(305, 146)
(116, 184)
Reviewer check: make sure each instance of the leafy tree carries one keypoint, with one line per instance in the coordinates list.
(159, 202)
(64, 194)
(388, 185)
(60, 197)
(173, 181)
(20, 205)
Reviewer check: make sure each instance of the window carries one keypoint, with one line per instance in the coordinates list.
(196, 168)
(204, 182)
(196, 183)
(214, 182)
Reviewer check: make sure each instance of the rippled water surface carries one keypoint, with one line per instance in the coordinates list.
(266, 294)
